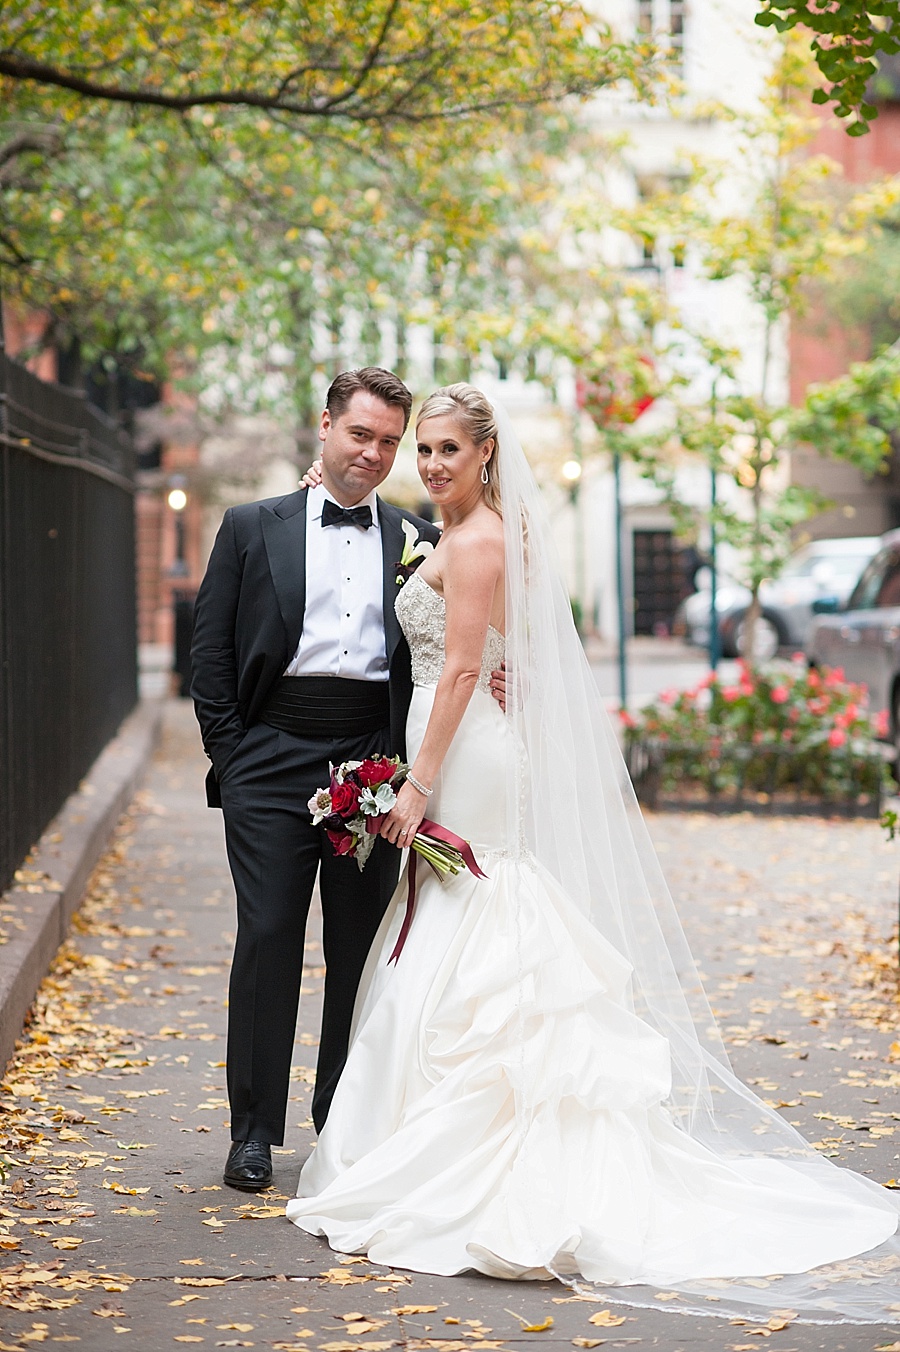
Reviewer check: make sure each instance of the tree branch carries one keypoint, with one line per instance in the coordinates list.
(43, 141)
(23, 68)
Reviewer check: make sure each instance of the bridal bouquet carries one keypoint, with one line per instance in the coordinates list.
(352, 808)
(360, 795)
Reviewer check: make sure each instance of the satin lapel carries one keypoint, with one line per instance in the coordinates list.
(392, 540)
(284, 534)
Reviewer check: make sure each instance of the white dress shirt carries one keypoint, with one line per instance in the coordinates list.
(343, 623)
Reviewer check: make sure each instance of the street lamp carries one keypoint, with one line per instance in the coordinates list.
(177, 500)
(571, 472)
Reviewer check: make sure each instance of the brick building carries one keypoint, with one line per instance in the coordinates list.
(821, 349)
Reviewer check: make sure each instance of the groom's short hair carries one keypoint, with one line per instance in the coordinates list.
(383, 384)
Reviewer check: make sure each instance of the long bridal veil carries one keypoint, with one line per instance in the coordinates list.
(571, 805)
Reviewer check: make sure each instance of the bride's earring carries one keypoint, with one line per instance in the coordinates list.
(484, 473)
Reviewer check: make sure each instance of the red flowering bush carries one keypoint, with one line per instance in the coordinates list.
(786, 729)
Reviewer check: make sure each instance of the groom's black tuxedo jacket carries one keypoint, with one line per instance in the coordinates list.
(249, 617)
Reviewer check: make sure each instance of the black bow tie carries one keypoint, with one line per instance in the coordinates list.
(333, 515)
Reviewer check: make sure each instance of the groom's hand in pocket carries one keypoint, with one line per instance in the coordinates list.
(405, 817)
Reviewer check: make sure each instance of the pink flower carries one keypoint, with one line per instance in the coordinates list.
(798, 657)
(780, 694)
(668, 696)
(626, 719)
(882, 723)
(851, 712)
(730, 693)
(837, 737)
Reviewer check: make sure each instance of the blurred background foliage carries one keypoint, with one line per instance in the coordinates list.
(184, 177)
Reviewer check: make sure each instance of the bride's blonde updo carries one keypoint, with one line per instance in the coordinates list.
(473, 412)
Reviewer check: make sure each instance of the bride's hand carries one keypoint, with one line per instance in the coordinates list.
(402, 822)
(313, 476)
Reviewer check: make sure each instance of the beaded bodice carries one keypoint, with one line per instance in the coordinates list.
(421, 612)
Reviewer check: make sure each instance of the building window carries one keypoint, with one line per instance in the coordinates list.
(676, 32)
(664, 19)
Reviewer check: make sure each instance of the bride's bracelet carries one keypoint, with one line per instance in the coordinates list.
(416, 785)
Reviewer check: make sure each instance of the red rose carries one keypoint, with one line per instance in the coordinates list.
(342, 841)
(344, 799)
(373, 772)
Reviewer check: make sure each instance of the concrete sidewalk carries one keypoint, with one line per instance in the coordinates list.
(48, 887)
(118, 1231)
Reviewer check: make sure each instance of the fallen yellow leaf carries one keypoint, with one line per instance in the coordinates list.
(606, 1319)
(355, 1347)
(108, 1310)
(204, 1281)
(341, 1277)
(531, 1328)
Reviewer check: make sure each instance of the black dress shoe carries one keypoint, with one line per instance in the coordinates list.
(249, 1166)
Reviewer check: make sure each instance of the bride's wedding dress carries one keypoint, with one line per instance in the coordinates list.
(504, 1107)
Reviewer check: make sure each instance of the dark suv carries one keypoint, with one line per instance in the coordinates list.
(863, 637)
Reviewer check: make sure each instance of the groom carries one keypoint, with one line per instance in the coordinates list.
(298, 662)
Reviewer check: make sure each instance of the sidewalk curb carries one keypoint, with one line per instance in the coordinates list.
(65, 856)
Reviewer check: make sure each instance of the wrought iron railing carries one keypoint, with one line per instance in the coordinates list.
(68, 664)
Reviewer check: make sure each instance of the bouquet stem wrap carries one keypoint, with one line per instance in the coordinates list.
(429, 832)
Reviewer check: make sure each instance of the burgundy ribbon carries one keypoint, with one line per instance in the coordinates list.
(437, 832)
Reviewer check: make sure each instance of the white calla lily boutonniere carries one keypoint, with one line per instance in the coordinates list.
(415, 549)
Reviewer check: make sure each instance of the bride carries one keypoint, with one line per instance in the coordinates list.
(537, 1087)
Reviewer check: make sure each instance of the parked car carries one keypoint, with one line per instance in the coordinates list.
(822, 568)
(862, 635)
(692, 616)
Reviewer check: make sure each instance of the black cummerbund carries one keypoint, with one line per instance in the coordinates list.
(327, 706)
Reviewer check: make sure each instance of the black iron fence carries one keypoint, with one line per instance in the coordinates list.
(68, 650)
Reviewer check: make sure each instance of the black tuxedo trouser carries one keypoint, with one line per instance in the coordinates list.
(275, 853)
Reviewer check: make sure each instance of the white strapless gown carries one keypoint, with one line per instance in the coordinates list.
(501, 1108)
